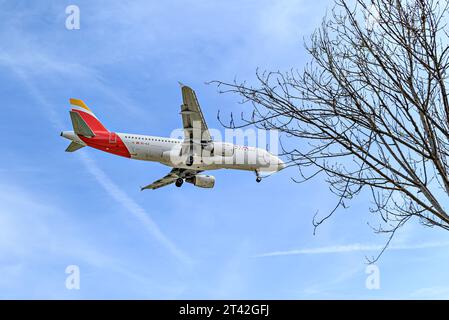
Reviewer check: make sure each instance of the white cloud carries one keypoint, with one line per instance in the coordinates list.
(431, 293)
(351, 248)
(38, 237)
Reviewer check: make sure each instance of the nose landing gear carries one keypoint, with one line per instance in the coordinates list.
(258, 177)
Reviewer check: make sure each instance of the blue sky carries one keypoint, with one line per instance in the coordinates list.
(238, 240)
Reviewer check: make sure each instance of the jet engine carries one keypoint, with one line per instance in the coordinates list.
(202, 181)
(208, 146)
(223, 149)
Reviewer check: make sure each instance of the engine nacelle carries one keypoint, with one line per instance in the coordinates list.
(208, 146)
(202, 181)
(223, 149)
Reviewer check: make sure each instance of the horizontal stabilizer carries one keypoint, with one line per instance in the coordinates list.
(80, 126)
(73, 147)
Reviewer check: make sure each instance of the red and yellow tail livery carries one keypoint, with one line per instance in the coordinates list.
(89, 131)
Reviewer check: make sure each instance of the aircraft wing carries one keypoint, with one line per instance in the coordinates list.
(195, 127)
(171, 178)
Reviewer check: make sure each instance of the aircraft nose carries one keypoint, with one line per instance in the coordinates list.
(281, 164)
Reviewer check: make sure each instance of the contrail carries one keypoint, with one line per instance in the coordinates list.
(100, 176)
(129, 204)
(350, 248)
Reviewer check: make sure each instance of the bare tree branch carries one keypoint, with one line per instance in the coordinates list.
(371, 109)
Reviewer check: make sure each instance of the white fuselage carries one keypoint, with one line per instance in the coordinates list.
(229, 156)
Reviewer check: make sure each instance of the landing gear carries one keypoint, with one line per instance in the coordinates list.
(258, 178)
(179, 182)
(189, 161)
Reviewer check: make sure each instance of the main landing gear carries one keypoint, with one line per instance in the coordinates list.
(258, 177)
(179, 182)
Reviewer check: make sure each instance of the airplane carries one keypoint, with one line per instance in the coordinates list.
(188, 158)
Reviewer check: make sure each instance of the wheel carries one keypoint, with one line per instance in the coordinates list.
(179, 182)
(258, 179)
(189, 161)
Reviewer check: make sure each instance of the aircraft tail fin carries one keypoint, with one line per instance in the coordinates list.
(80, 126)
(84, 121)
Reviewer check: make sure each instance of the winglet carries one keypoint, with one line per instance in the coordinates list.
(79, 103)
